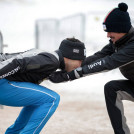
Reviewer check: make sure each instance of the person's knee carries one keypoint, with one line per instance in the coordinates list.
(57, 99)
(109, 88)
(108, 85)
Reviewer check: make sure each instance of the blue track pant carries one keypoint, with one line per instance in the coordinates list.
(38, 102)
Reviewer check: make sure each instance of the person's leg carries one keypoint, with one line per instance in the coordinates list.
(115, 92)
(39, 105)
(21, 121)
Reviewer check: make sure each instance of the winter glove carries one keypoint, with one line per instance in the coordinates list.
(78, 72)
(75, 74)
(59, 76)
(62, 76)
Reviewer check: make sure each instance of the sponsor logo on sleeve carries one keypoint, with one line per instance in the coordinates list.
(10, 73)
(95, 64)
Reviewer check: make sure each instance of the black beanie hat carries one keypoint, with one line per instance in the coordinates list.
(118, 20)
(73, 50)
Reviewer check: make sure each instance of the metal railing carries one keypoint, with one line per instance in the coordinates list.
(50, 32)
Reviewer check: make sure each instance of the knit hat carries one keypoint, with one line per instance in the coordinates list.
(73, 50)
(118, 20)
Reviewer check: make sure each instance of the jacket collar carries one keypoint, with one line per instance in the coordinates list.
(125, 38)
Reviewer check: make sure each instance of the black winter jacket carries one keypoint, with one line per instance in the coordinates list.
(31, 66)
(120, 54)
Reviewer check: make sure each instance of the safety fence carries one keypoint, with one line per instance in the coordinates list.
(50, 32)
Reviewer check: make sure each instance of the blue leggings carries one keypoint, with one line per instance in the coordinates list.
(38, 102)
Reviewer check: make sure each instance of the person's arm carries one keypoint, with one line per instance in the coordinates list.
(106, 50)
(118, 59)
(121, 58)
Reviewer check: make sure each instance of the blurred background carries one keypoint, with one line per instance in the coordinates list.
(27, 24)
(43, 24)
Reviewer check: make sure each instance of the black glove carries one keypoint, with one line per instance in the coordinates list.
(59, 76)
(62, 76)
(75, 74)
(78, 72)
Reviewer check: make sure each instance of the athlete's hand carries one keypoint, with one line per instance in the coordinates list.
(59, 76)
(75, 74)
(62, 76)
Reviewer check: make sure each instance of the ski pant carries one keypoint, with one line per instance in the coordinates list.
(115, 92)
(38, 102)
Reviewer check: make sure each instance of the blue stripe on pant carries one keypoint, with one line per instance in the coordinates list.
(38, 102)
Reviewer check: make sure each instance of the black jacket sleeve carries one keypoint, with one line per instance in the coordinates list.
(107, 50)
(122, 57)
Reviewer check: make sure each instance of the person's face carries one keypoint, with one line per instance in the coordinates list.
(71, 64)
(115, 36)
